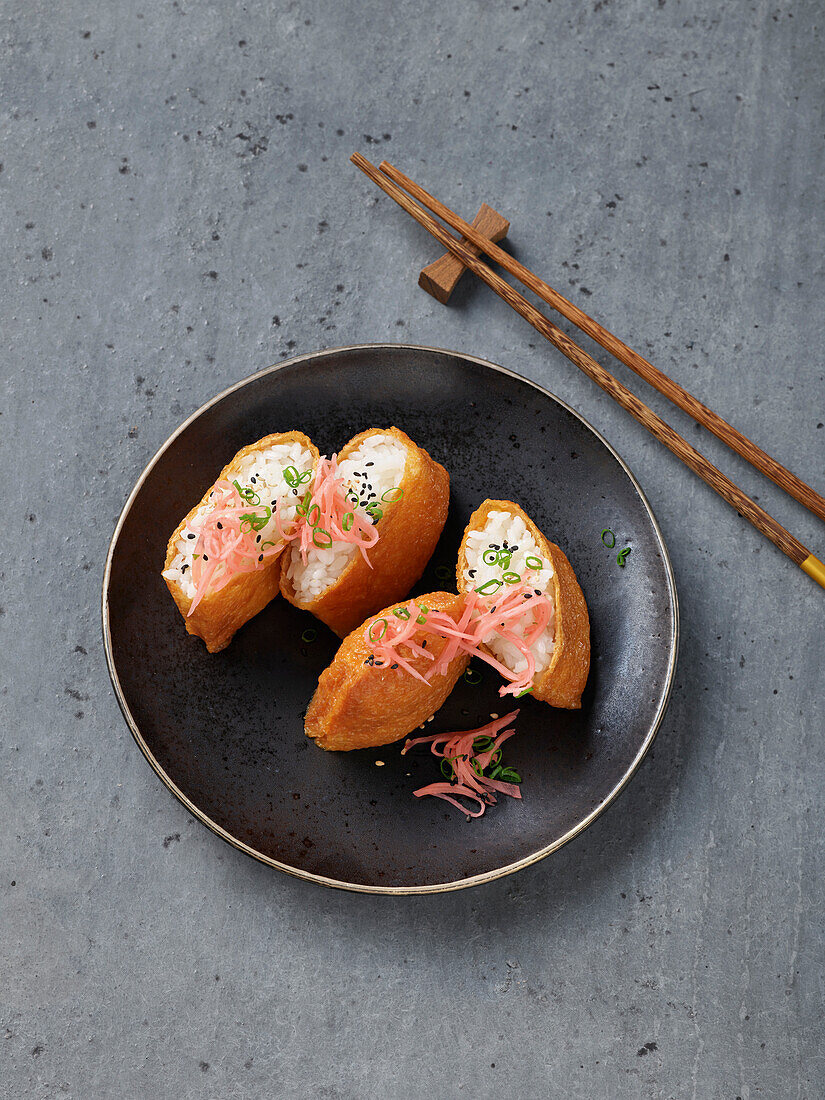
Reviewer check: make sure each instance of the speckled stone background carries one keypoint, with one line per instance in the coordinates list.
(178, 211)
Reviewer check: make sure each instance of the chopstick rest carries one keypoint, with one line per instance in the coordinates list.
(440, 278)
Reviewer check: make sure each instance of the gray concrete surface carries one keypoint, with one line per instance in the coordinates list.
(178, 211)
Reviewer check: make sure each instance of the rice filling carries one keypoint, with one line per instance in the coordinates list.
(375, 467)
(505, 546)
(262, 474)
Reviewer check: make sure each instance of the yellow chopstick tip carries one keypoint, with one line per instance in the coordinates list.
(815, 568)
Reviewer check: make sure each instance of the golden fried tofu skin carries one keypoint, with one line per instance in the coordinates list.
(366, 697)
(508, 563)
(223, 562)
(374, 517)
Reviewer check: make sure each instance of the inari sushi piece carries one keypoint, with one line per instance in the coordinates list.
(504, 559)
(374, 516)
(223, 561)
(369, 696)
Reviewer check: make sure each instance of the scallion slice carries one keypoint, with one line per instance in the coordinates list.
(486, 588)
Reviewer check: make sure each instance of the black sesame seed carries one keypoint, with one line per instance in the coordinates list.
(294, 493)
(370, 464)
(393, 666)
(260, 557)
(205, 558)
(220, 526)
(252, 479)
(472, 572)
(424, 644)
(190, 536)
(257, 538)
(537, 591)
(183, 568)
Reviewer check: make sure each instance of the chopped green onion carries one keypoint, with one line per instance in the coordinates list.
(248, 494)
(267, 542)
(377, 637)
(374, 512)
(292, 477)
(348, 516)
(504, 558)
(525, 691)
(446, 768)
(534, 563)
(325, 535)
(474, 764)
(309, 635)
(511, 578)
(485, 588)
(305, 476)
(392, 499)
(251, 521)
(483, 744)
(316, 508)
(402, 612)
(510, 775)
(472, 676)
(352, 497)
(301, 508)
(422, 618)
(443, 572)
(496, 772)
(609, 545)
(622, 556)
(490, 557)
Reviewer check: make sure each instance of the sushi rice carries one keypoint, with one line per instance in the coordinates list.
(505, 531)
(263, 472)
(376, 466)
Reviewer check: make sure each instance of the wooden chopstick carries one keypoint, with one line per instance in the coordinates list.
(740, 443)
(662, 431)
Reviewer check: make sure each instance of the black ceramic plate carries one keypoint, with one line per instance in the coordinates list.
(225, 732)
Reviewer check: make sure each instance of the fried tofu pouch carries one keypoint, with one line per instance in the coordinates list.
(220, 614)
(562, 682)
(408, 532)
(359, 706)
